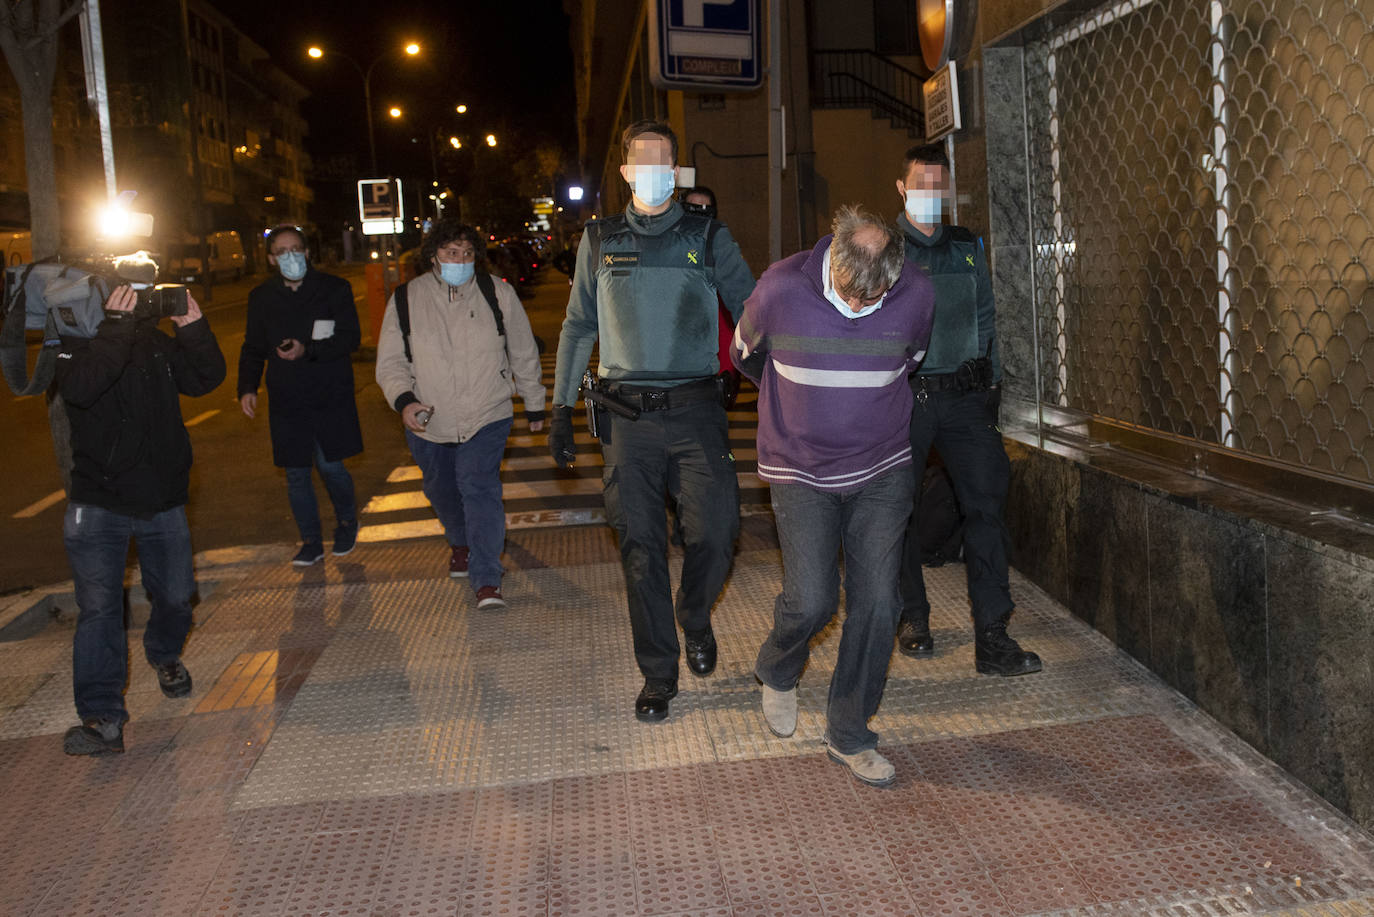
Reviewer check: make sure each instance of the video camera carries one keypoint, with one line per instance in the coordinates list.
(68, 300)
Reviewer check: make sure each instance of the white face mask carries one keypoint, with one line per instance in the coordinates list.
(924, 207)
(837, 300)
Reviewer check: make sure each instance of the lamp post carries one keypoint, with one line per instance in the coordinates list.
(410, 49)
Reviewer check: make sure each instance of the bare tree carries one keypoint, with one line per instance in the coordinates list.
(29, 38)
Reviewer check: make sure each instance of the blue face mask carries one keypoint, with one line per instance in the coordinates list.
(652, 184)
(291, 265)
(456, 273)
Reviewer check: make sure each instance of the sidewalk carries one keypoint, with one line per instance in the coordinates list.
(361, 741)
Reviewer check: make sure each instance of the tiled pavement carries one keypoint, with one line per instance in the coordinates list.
(362, 741)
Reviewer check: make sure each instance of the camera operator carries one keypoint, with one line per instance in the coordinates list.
(131, 468)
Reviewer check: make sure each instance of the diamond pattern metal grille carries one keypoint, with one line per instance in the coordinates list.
(1203, 223)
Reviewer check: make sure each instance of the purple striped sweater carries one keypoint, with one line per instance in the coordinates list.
(834, 403)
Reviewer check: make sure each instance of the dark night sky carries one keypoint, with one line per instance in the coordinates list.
(508, 61)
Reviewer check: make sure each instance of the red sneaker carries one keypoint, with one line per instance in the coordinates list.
(489, 597)
(458, 563)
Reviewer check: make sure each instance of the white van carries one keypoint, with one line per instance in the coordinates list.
(226, 258)
(18, 247)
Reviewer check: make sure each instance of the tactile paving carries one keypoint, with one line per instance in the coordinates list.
(374, 744)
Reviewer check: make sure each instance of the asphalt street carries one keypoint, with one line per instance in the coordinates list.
(237, 496)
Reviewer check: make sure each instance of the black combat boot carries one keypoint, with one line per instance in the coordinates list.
(996, 653)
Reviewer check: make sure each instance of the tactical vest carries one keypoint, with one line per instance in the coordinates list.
(656, 300)
(953, 271)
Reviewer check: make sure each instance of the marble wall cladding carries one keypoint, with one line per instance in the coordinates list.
(1209, 637)
(1007, 202)
(1011, 283)
(1107, 535)
(1039, 501)
(1321, 614)
(1004, 95)
(1266, 633)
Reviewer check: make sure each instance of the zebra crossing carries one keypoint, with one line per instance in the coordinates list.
(537, 493)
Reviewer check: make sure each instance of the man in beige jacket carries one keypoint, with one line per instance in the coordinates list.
(455, 345)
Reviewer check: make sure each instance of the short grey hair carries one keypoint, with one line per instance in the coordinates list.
(866, 253)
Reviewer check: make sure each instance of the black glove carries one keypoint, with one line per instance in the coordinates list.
(561, 436)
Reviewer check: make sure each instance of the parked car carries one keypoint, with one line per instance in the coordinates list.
(506, 266)
(522, 256)
(226, 257)
(526, 252)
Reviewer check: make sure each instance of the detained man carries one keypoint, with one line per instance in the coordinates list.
(829, 336)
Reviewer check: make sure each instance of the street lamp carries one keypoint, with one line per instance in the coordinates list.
(491, 140)
(461, 109)
(411, 49)
(394, 112)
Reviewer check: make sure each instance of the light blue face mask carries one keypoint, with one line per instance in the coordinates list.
(924, 206)
(652, 184)
(456, 273)
(291, 265)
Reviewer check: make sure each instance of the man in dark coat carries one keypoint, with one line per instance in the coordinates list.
(303, 326)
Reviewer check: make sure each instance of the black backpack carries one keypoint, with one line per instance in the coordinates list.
(939, 524)
(403, 308)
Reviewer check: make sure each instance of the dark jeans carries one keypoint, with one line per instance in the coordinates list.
(300, 492)
(462, 481)
(962, 427)
(813, 527)
(685, 453)
(97, 543)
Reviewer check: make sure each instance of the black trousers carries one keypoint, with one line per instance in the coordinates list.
(962, 428)
(683, 452)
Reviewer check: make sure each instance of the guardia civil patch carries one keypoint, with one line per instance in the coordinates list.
(692, 255)
(621, 259)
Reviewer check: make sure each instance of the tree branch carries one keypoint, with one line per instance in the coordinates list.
(46, 32)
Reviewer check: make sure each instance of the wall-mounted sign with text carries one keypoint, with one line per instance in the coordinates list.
(941, 95)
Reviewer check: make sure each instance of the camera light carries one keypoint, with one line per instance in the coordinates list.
(117, 221)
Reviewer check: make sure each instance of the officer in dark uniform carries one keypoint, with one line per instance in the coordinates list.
(957, 394)
(645, 285)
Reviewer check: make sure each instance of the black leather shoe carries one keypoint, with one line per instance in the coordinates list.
(914, 640)
(701, 653)
(996, 653)
(652, 704)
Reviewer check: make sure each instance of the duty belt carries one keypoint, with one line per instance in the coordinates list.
(936, 382)
(661, 399)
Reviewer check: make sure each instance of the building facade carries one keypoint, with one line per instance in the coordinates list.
(206, 129)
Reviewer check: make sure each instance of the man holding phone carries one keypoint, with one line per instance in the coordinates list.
(303, 327)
